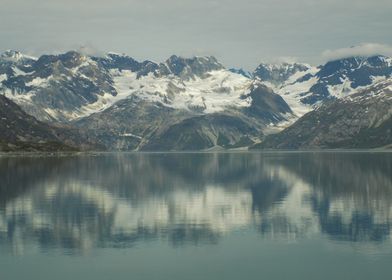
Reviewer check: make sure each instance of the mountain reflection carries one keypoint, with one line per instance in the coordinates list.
(120, 200)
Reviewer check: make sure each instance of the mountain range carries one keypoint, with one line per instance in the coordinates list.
(113, 102)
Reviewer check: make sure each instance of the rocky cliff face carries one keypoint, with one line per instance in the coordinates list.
(277, 74)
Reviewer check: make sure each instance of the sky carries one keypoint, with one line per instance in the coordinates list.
(240, 33)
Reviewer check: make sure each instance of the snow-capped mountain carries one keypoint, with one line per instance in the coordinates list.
(141, 100)
(303, 86)
(16, 57)
(12, 64)
(70, 86)
(179, 104)
(141, 123)
(360, 120)
(56, 87)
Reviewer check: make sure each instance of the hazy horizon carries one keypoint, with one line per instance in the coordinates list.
(238, 34)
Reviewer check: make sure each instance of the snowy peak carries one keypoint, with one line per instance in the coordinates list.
(185, 68)
(190, 67)
(67, 60)
(357, 66)
(13, 63)
(80, 85)
(56, 87)
(14, 56)
(304, 87)
(278, 73)
(340, 78)
(124, 62)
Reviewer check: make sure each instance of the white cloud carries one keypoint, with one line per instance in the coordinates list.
(366, 49)
(89, 49)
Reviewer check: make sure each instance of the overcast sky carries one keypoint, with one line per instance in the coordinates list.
(240, 33)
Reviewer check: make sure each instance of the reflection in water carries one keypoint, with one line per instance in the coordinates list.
(120, 200)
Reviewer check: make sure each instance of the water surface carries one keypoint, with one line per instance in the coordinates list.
(196, 216)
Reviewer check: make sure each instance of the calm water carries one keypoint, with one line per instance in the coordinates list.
(197, 216)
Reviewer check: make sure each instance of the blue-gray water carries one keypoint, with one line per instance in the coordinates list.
(196, 216)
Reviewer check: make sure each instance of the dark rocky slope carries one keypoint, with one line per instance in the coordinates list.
(22, 132)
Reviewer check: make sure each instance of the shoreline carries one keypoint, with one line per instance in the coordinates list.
(234, 151)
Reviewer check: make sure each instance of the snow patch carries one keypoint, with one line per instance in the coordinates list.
(341, 90)
(131, 135)
(19, 72)
(39, 82)
(19, 98)
(214, 93)
(51, 112)
(292, 92)
(87, 62)
(3, 77)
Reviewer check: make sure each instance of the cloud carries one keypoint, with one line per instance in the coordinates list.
(366, 49)
(89, 49)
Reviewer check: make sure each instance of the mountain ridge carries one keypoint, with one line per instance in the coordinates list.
(179, 104)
